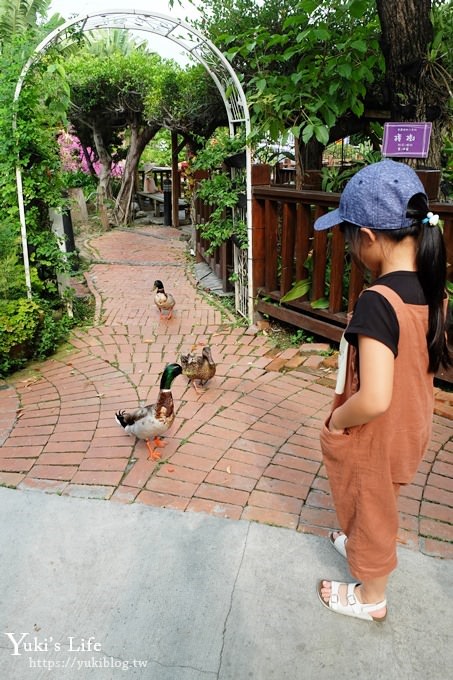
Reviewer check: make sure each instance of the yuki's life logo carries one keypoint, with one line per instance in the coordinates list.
(22, 642)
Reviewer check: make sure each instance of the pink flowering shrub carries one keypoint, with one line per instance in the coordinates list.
(73, 158)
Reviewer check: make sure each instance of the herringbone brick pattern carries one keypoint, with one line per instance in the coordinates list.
(247, 448)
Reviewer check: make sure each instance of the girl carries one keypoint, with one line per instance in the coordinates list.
(380, 424)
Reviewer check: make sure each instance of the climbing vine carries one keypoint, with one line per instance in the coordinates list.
(40, 114)
(222, 189)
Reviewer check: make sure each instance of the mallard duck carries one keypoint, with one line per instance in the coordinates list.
(152, 421)
(201, 368)
(164, 301)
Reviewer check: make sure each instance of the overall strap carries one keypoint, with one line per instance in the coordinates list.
(390, 295)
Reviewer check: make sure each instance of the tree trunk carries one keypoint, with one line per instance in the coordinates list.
(308, 160)
(139, 139)
(105, 161)
(88, 160)
(311, 154)
(411, 79)
(298, 164)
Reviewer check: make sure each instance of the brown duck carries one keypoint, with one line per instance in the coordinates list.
(201, 368)
(164, 301)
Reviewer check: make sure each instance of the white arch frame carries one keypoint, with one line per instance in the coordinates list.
(199, 48)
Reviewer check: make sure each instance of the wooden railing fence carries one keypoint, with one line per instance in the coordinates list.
(285, 249)
(284, 242)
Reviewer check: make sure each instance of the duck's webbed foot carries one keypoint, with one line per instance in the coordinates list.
(198, 389)
(154, 454)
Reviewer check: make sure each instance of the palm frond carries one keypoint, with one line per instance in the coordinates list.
(17, 16)
(103, 43)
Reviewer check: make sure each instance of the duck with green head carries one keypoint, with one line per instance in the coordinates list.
(150, 422)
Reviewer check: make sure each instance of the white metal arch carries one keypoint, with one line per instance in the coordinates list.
(196, 46)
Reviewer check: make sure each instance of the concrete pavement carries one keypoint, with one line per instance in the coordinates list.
(103, 591)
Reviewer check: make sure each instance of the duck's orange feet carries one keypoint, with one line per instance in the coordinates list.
(198, 389)
(153, 453)
(159, 442)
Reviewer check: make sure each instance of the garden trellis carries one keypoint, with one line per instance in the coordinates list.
(198, 48)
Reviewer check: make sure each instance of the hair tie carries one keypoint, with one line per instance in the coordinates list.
(431, 219)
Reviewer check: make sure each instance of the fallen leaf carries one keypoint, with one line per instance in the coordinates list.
(170, 469)
(228, 470)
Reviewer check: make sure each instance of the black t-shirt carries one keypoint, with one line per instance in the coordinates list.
(375, 317)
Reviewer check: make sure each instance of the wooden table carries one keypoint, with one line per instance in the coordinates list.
(155, 202)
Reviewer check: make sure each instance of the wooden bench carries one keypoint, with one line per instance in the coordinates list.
(155, 202)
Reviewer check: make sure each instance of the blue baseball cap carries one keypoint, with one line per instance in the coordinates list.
(376, 197)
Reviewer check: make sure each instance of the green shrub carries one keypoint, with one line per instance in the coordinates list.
(19, 324)
(29, 330)
(80, 180)
(12, 281)
(53, 330)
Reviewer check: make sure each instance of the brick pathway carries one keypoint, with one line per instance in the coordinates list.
(248, 448)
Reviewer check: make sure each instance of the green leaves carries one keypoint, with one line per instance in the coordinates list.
(308, 6)
(299, 289)
(357, 8)
(345, 70)
(308, 132)
(359, 45)
(322, 34)
(305, 64)
(320, 303)
(315, 128)
(221, 190)
(322, 134)
(40, 112)
(357, 107)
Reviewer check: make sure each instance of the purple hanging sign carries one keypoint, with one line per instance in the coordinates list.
(406, 140)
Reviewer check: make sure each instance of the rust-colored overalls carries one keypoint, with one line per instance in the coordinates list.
(367, 464)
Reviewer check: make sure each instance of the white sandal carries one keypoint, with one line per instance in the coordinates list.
(353, 607)
(339, 543)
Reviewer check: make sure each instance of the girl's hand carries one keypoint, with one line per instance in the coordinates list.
(331, 427)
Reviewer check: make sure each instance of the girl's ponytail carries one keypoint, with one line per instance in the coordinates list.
(431, 262)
